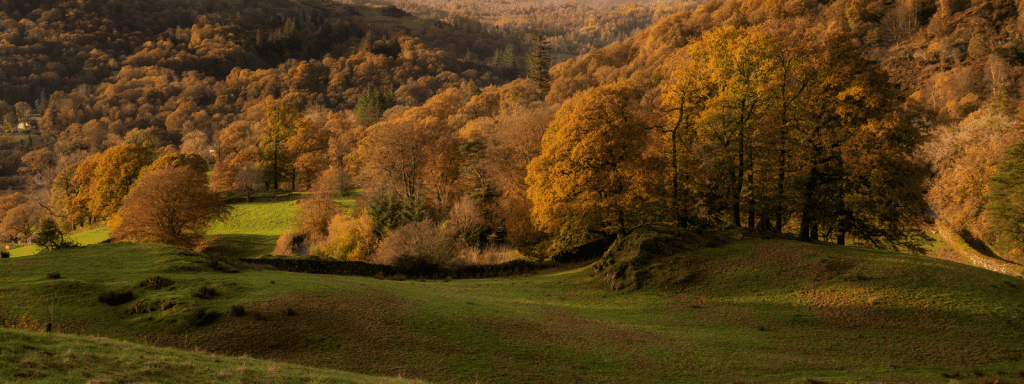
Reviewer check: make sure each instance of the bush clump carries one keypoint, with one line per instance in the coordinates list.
(205, 292)
(53, 275)
(115, 297)
(156, 283)
(198, 317)
(146, 306)
(237, 310)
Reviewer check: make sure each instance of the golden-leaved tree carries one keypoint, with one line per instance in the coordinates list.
(95, 187)
(781, 122)
(598, 170)
(415, 156)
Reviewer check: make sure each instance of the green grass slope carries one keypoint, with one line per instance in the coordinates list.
(87, 237)
(34, 357)
(751, 311)
(253, 228)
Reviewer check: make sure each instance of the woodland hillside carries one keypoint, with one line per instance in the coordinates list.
(573, 27)
(851, 121)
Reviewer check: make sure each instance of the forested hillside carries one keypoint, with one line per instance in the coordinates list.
(851, 121)
(574, 27)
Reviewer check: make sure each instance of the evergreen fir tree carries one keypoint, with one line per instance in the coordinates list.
(540, 62)
(1005, 206)
(373, 103)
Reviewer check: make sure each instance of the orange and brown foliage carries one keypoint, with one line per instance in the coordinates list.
(416, 155)
(964, 157)
(594, 172)
(171, 206)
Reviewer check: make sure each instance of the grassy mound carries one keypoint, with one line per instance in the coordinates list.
(27, 356)
(752, 311)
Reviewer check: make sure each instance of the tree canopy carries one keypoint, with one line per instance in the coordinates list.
(595, 169)
(172, 206)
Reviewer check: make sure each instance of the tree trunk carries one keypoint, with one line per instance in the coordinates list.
(780, 192)
(805, 224)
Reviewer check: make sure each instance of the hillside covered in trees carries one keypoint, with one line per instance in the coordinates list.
(850, 121)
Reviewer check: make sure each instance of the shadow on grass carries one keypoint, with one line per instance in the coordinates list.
(980, 245)
(239, 246)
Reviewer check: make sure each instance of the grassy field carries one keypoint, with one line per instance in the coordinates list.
(91, 236)
(251, 230)
(751, 311)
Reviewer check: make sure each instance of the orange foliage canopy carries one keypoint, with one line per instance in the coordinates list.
(171, 206)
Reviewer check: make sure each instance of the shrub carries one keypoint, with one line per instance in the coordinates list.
(418, 243)
(491, 254)
(348, 239)
(465, 220)
(146, 306)
(205, 292)
(286, 243)
(223, 263)
(290, 312)
(51, 237)
(315, 213)
(53, 275)
(390, 211)
(156, 283)
(200, 316)
(117, 297)
(237, 310)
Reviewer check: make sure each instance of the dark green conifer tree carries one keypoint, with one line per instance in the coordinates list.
(1005, 207)
(373, 103)
(540, 62)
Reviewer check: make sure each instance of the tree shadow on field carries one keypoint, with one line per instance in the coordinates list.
(239, 246)
(980, 245)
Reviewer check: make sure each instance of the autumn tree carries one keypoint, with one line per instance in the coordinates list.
(310, 146)
(70, 190)
(415, 156)
(776, 122)
(95, 187)
(964, 157)
(594, 172)
(237, 144)
(735, 68)
(507, 145)
(116, 170)
(190, 160)
(280, 124)
(20, 221)
(23, 109)
(172, 206)
(16, 215)
(683, 99)
(248, 178)
(38, 166)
